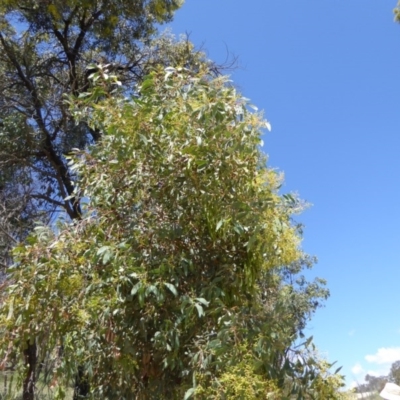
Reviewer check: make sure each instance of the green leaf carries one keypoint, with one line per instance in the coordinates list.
(172, 288)
(102, 249)
(308, 341)
(10, 310)
(189, 393)
(203, 301)
(337, 370)
(136, 288)
(199, 309)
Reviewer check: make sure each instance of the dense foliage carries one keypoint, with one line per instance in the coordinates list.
(175, 268)
(181, 279)
(48, 49)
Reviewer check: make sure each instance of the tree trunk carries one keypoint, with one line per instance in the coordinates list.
(82, 387)
(30, 356)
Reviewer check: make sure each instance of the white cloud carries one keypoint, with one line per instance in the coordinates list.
(357, 369)
(352, 332)
(352, 385)
(381, 372)
(384, 355)
(381, 360)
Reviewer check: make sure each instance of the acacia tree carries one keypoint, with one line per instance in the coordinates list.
(177, 281)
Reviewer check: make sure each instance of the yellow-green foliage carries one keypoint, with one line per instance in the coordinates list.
(160, 10)
(239, 381)
(327, 385)
(174, 266)
(397, 12)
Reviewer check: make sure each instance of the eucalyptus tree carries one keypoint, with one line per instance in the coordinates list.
(49, 49)
(178, 281)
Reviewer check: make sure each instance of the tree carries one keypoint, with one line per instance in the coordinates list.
(394, 374)
(57, 57)
(373, 384)
(49, 49)
(179, 279)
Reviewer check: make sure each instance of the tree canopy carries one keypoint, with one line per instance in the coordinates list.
(166, 263)
(181, 279)
(49, 49)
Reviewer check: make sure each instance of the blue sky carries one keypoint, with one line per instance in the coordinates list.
(326, 72)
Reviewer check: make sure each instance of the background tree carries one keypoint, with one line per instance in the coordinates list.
(373, 384)
(394, 374)
(183, 270)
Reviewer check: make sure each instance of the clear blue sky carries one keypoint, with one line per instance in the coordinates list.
(326, 72)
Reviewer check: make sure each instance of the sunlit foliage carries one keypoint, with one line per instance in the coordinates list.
(181, 278)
